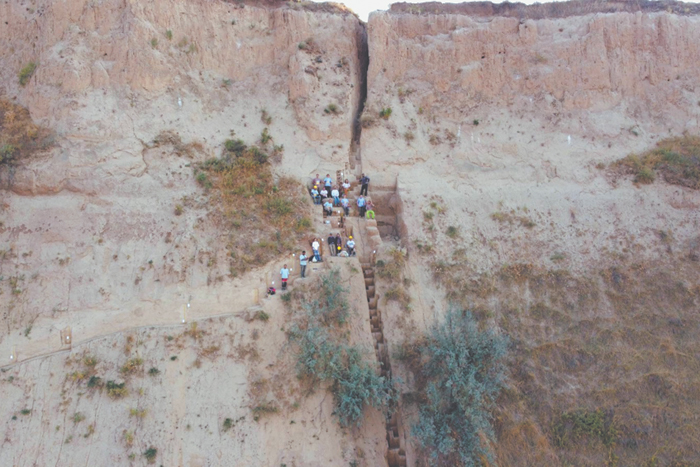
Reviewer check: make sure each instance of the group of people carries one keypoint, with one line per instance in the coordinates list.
(324, 192)
(335, 245)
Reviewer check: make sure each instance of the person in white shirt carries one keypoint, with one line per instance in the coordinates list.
(315, 246)
(350, 246)
(284, 274)
(324, 194)
(336, 196)
(346, 187)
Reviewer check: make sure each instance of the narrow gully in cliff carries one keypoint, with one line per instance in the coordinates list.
(363, 66)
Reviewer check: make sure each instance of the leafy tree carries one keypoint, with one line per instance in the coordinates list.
(463, 373)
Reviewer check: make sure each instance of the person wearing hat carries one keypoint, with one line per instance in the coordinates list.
(350, 246)
(316, 195)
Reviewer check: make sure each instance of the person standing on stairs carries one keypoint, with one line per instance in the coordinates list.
(284, 274)
(362, 205)
(315, 246)
(364, 181)
(338, 242)
(303, 260)
(345, 204)
(331, 244)
(317, 181)
(346, 187)
(328, 182)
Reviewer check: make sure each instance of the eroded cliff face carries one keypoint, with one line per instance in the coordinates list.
(499, 132)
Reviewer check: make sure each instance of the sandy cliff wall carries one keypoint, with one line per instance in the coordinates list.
(647, 61)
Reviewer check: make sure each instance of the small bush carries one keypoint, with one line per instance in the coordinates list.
(572, 426)
(150, 454)
(228, 424)
(452, 232)
(116, 390)
(266, 408)
(78, 417)
(26, 73)
(644, 176)
(475, 122)
(169, 35)
(25, 411)
(154, 43)
(131, 366)
(94, 382)
(262, 316)
(385, 113)
(138, 413)
(265, 117)
(409, 136)
(179, 209)
(235, 146)
(154, 371)
(265, 137)
(332, 109)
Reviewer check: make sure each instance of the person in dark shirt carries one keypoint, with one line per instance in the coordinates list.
(364, 181)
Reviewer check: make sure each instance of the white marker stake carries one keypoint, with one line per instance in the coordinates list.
(13, 357)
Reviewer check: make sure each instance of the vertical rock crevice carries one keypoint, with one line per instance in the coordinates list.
(363, 67)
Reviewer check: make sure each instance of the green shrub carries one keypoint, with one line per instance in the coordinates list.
(385, 113)
(354, 381)
(265, 137)
(94, 382)
(262, 316)
(154, 371)
(25, 411)
(169, 34)
(154, 43)
(572, 426)
(644, 176)
(452, 232)
(26, 73)
(265, 408)
(463, 373)
(235, 146)
(150, 454)
(116, 390)
(332, 109)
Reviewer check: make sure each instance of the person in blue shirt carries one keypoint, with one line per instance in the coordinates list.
(284, 274)
(328, 207)
(345, 203)
(316, 195)
(328, 182)
(362, 204)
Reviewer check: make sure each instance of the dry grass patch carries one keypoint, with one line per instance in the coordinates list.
(603, 366)
(20, 137)
(676, 160)
(263, 215)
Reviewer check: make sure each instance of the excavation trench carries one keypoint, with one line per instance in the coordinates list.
(382, 227)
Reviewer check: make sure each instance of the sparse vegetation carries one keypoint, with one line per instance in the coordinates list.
(78, 417)
(154, 43)
(25, 411)
(262, 316)
(266, 408)
(19, 136)
(26, 73)
(332, 109)
(265, 117)
(511, 218)
(138, 413)
(322, 357)
(676, 160)
(385, 113)
(169, 34)
(452, 232)
(409, 136)
(116, 390)
(131, 366)
(153, 371)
